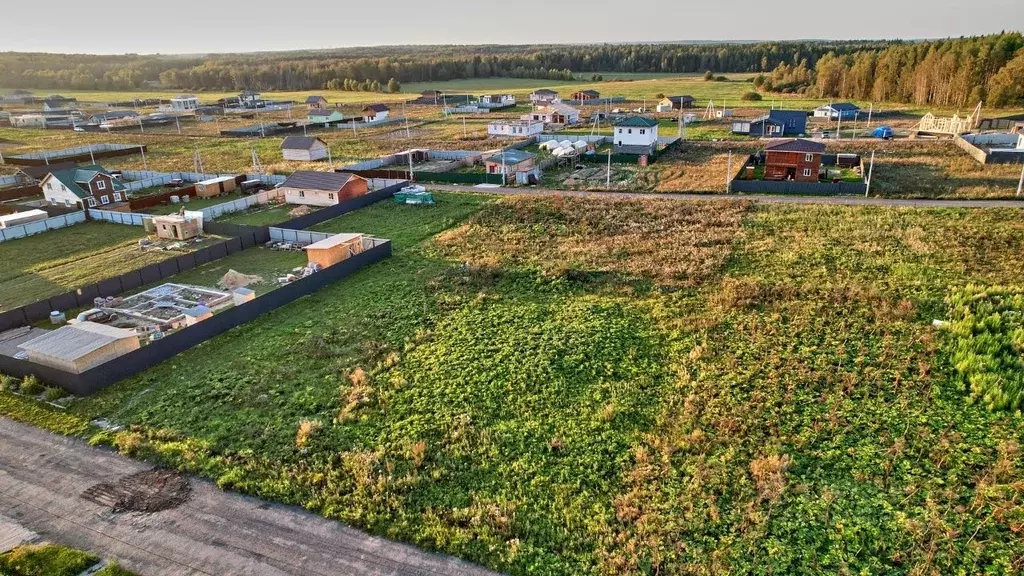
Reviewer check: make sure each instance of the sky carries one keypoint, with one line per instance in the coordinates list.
(212, 26)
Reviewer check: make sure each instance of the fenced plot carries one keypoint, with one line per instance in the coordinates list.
(40, 226)
(89, 153)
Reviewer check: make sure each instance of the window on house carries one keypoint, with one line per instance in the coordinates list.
(101, 185)
(630, 131)
(330, 196)
(809, 157)
(643, 131)
(104, 200)
(92, 202)
(807, 172)
(302, 193)
(49, 186)
(117, 196)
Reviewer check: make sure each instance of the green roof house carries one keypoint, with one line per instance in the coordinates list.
(85, 186)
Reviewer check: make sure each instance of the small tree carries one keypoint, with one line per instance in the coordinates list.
(751, 97)
(759, 81)
(659, 96)
(709, 76)
(394, 86)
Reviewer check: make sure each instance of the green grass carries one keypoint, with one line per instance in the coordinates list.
(45, 560)
(264, 262)
(57, 261)
(194, 203)
(113, 569)
(575, 386)
(263, 215)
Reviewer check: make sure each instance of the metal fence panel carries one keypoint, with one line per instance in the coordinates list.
(150, 274)
(110, 287)
(168, 268)
(218, 251)
(86, 295)
(234, 245)
(65, 301)
(202, 256)
(12, 319)
(186, 262)
(130, 280)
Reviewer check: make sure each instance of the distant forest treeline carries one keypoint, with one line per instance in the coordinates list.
(945, 72)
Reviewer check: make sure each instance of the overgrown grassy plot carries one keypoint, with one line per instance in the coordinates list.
(814, 428)
(56, 261)
(986, 344)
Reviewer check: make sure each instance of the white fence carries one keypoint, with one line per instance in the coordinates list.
(68, 152)
(378, 183)
(128, 218)
(297, 236)
(139, 179)
(20, 231)
(243, 203)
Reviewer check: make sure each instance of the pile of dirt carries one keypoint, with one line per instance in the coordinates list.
(234, 279)
(300, 211)
(147, 491)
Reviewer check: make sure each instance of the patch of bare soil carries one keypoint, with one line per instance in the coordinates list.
(148, 491)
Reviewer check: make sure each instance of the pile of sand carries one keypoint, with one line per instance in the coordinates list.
(300, 211)
(234, 279)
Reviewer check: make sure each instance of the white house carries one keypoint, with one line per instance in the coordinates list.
(514, 128)
(375, 112)
(554, 113)
(304, 148)
(498, 99)
(544, 96)
(636, 135)
(184, 103)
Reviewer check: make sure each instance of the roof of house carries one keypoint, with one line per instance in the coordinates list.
(593, 93)
(72, 176)
(40, 172)
(544, 91)
(782, 116)
(335, 240)
(638, 121)
(185, 97)
(841, 106)
(197, 311)
(678, 99)
(377, 107)
(323, 112)
(797, 145)
(116, 114)
(557, 107)
(315, 99)
(314, 180)
(511, 157)
(300, 142)
(76, 341)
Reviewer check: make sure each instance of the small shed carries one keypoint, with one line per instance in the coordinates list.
(216, 186)
(240, 296)
(176, 227)
(316, 102)
(197, 314)
(304, 148)
(337, 248)
(78, 347)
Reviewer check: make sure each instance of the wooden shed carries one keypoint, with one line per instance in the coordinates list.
(337, 248)
(216, 186)
(78, 347)
(176, 227)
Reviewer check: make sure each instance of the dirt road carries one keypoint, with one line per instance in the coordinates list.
(43, 477)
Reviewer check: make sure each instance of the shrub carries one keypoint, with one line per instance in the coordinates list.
(46, 560)
(721, 79)
(709, 76)
(751, 97)
(8, 383)
(306, 430)
(31, 386)
(53, 393)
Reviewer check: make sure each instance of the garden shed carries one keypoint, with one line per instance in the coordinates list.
(337, 248)
(78, 347)
(304, 148)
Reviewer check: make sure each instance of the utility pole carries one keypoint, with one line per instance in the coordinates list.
(871, 170)
(145, 165)
(839, 127)
(856, 116)
(465, 135)
(1020, 185)
(330, 161)
(504, 175)
(92, 157)
(411, 178)
(406, 116)
(871, 109)
(608, 177)
(177, 125)
(728, 173)
(141, 129)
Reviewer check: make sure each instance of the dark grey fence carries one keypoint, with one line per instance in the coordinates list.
(798, 188)
(83, 297)
(325, 214)
(132, 363)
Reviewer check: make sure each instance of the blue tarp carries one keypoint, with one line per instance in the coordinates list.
(882, 132)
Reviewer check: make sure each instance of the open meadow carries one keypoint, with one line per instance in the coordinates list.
(577, 386)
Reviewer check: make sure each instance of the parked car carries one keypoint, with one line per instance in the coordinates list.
(96, 315)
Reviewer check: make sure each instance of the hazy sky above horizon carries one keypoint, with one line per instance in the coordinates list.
(120, 26)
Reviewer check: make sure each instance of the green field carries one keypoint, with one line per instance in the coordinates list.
(57, 261)
(54, 560)
(575, 386)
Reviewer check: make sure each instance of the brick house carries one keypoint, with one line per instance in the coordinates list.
(798, 160)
